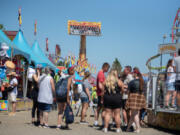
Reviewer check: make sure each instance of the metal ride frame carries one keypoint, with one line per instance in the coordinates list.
(158, 115)
(156, 85)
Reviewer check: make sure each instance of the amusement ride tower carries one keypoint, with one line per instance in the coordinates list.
(83, 29)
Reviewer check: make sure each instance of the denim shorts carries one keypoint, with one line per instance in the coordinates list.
(177, 85)
(170, 86)
(44, 107)
(84, 99)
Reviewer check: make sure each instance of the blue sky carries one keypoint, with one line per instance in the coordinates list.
(131, 29)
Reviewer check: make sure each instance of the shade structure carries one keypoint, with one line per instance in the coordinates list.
(16, 51)
(20, 42)
(38, 51)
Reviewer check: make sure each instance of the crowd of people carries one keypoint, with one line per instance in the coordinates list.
(112, 94)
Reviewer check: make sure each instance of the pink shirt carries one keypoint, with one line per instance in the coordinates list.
(101, 79)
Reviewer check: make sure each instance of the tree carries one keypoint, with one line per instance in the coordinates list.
(2, 27)
(60, 63)
(117, 66)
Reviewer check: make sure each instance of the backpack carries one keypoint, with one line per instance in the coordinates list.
(80, 88)
(61, 88)
(68, 114)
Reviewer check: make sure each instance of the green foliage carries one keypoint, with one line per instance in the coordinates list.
(2, 27)
(117, 66)
(61, 63)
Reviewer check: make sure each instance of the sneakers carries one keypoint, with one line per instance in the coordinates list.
(95, 124)
(45, 126)
(173, 107)
(137, 131)
(118, 130)
(105, 130)
(166, 107)
(11, 114)
(58, 127)
(41, 125)
(83, 122)
(134, 126)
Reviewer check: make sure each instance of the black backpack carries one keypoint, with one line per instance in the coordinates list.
(68, 114)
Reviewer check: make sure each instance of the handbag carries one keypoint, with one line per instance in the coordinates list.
(68, 114)
(10, 89)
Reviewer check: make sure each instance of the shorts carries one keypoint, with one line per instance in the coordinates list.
(170, 86)
(76, 97)
(44, 107)
(124, 103)
(113, 101)
(99, 102)
(62, 100)
(95, 101)
(12, 97)
(177, 85)
(84, 100)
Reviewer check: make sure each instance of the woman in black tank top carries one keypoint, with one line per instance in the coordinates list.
(113, 99)
(34, 95)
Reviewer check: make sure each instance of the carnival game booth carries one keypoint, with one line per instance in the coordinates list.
(8, 54)
(21, 43)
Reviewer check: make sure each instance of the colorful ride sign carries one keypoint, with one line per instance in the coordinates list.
(3, 105)
(84, 28)
(167, 48)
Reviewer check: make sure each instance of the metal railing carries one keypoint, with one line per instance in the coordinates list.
(156, 90)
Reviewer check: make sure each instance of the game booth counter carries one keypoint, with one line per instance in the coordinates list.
(19, 53)
(12, 59)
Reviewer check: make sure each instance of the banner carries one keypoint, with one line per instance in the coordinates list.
(167, 48)
(84, 28)
(11, 34)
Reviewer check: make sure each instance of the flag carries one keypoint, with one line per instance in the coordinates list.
(73, 60)
(19, 17)
(35, 27)
(47, 49)
(92, 68)
(65, 61)
(58, 51)
(69, 57)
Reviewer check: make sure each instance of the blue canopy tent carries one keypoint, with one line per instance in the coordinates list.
(38, 51)
(16, 51)
(20, 42)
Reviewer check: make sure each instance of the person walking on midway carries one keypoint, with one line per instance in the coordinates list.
(62, 101)
(45, 96)
(85, 96)
(127, 77)
(34, 95)
(170, 84)
(136, 100)
(100, 91)
(176, 65)
(114, 88)
(13, 94)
